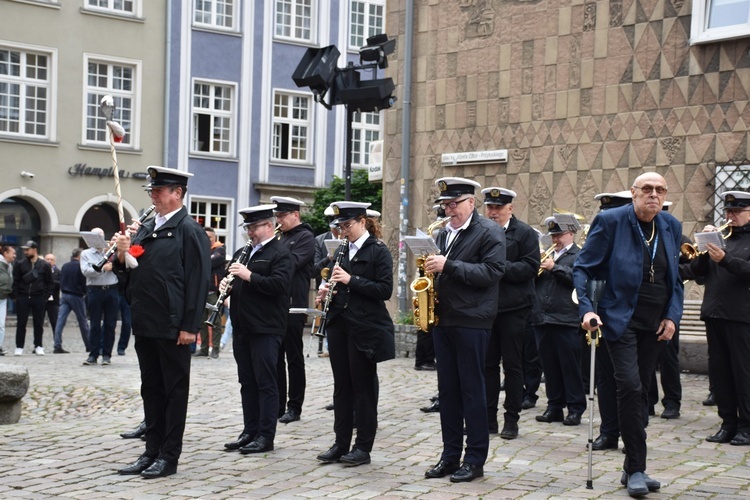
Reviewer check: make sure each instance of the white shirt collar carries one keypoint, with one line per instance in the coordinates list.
(360, 241)
(464, 226)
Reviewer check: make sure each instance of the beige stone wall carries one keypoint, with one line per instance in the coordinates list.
(584, 95)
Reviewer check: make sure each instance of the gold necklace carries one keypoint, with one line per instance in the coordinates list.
(653, 233)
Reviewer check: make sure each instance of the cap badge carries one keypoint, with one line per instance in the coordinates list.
(495, 193)
(335, 210)
(729, 198)
(443, 186)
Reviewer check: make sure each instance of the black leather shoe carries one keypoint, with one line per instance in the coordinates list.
(333, 454)
(510, 431)
(527, 403)
(137, 467)
(60, 350)
(466, 473)
(355, 457)
(572, 419)
(329, 407)
(709, 401)
(740, 439)
(135, 434)
(160, 468)
(241, 441)
(289, 416)
(604, 442)
(441, 469)
(651, 484)
(200, 354)
(723, 436)
(551, 416)
(637, 486)
(428, 367)
(670, 413)
(433, 408)
(260, 445)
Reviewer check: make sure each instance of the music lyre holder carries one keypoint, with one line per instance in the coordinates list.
(594, 290)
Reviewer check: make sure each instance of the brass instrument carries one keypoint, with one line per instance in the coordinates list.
(218, 308)
(690, 250)
(277, 231)
(423, 287)
(111, 250)
(546, 255)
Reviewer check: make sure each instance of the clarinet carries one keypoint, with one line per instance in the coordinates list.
(218, 308)
(321, 332)
(111, 250)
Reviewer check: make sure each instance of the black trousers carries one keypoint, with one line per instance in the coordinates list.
(606, 392)
(668, 361)
(292, 346)
(532, 364)
(560, 352)
(461, 355)
(34, 304)
(354, 390)
(424, 353)
(165, 387)
(634, 360)
(729, 371)
(507, 343)
(52, 309)
(256, 357)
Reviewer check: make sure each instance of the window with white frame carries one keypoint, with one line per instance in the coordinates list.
(26, 88)
(292, 119)
(122, 7)
(294, 19)
(117, 79)
(213, 118)
(214, 13)
(715, 20)
(365, 129)
(366, 19)
(212, 213)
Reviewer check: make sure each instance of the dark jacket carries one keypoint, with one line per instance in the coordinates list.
(72, 280)
(261, 306)
(321, 260)
(522, 259)
(554, 293)
(358, 309)
(167, 291)
(467, 289)
(727, 294)
(218, 266)
(6, 280)
(300, 241)
(614, 252)
(55, 285)
(31, 280)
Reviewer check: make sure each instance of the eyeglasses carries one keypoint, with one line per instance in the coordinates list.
(346, 225)
(736, 210)
(452, 205)
(648, 189)
(254, 227)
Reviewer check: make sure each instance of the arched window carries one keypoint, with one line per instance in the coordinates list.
(19, 221)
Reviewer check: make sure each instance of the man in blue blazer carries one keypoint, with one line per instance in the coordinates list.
(635, 249)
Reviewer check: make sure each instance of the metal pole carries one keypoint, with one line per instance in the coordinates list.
(348, 162)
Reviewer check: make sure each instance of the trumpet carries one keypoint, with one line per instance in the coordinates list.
(546, 255)
(690, 250)
(111, 250)
(218, 308)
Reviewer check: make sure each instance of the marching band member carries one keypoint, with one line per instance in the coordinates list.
(360, 332)
(470, 266)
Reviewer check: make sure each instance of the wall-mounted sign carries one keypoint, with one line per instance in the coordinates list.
(495, 156)
(81, 170)
(375, 166)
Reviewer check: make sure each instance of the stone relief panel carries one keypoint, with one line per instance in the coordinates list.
(481, 21)
(670, 145)
(589, 17)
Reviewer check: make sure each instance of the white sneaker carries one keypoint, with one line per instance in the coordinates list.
(39, 350)
(19, 351)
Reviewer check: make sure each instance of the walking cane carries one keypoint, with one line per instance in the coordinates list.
(594, 289)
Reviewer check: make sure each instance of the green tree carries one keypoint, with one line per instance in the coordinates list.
(361, 190)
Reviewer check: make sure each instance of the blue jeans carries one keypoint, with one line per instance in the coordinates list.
(76, 304)
(102, 303)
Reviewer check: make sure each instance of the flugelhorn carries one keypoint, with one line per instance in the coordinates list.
(545, 255)
(690, 250)
(111, 250)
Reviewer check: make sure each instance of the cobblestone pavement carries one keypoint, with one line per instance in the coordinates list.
(67, 442)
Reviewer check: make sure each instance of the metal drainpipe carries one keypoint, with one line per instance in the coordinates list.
(405, 157)
(167, 82)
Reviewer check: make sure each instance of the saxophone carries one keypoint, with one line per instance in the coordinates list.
(424, 288)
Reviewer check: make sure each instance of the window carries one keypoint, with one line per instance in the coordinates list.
(291, 126)
(294, 19)
(213, 119)
(366, 19)
(715, 20)
(127, 7)
(117, 79)
(727, 177)
(26, 84)
(212, 213)
(365, 129)
(214, 13)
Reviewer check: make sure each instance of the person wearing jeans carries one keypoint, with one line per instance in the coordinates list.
(73, 288)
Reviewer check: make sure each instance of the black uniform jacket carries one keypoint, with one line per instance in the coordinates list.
(359, 307)
(467, 289)
(300, 241)
(521, 266)
(260, 306)
(31, 279)
(167, 291)
(554, 293)
(727, 294)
